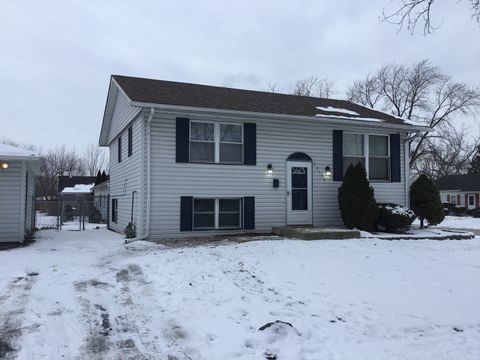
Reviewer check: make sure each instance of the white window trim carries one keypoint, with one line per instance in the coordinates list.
(366, 153)
(216, 141)
(217, 214)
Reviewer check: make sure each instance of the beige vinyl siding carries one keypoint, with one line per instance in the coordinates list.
(125, 177)
(11, 203)
(276, 140)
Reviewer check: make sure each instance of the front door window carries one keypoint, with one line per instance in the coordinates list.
(299, 188)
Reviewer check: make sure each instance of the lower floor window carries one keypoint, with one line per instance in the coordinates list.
(114, 210)
(210, 214)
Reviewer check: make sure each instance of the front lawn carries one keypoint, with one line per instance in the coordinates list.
(87, 295)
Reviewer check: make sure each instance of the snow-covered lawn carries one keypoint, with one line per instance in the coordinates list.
(83, 295)
(458, 222)
(461, 222)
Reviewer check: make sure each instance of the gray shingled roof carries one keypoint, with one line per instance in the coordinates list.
(467, 182)
(214, 97)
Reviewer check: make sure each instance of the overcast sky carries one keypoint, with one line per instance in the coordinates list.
(56, 57)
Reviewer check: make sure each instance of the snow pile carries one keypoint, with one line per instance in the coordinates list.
(78, 189)
(399, 210)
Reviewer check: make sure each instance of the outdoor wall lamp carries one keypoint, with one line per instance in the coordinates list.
(4, 166)
(269, 169)
(327, 174)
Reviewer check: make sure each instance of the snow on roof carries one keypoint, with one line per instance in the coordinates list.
(13, 151)
(337, 110)
(78, 189)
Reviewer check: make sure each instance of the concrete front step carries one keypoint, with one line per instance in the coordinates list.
(315, 233)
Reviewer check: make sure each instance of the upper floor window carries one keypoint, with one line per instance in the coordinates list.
(377, 163)
(119, 150)
(130, 141)
(216, 142)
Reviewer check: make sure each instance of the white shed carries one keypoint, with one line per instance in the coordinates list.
(18, 168)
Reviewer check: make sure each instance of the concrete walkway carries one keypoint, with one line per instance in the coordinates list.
(475, 231)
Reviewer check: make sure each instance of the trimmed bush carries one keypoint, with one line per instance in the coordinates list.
(394, 217)
(458, 210)
(425, 201)
(474, 212)
(356, 200)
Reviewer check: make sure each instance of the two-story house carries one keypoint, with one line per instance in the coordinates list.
(190, 160)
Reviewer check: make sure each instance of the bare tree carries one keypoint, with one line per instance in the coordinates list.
(95, 159)
(56, 162)
(313, 86)
(411, 13)
(448, 154)
(420, 93)
(365, 91)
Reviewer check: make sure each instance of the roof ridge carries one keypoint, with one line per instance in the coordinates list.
(238, 89)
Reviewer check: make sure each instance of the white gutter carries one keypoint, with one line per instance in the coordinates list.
(147, 227)
(174, 109)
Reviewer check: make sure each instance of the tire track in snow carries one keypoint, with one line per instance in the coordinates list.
(11, 321)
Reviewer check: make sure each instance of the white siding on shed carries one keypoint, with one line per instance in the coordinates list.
(11, 203)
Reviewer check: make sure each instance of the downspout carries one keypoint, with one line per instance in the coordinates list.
(406, 151)
(147, 227)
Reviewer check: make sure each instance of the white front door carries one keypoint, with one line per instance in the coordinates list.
(471, 202)
(299, 193)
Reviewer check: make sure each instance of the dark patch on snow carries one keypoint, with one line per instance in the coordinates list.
(279, 322)
(270, 356)
(457, 329)
(5, 349)
(34, 273)
(126, 344)
(82, 285)
(97, 344)
(133, 272)
(100, 307)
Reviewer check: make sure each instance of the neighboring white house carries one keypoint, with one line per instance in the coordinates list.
(190, 160)
(100, 200)
(462, 190)
(18, 168)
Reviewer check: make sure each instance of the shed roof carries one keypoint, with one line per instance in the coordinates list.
(13, 152)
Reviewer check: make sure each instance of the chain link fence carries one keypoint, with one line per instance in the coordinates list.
(74, 212)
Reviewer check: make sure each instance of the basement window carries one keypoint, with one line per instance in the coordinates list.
(212, 214)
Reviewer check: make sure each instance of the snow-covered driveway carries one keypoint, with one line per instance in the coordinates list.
(74, 295)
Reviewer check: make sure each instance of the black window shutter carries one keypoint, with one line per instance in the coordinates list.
(249, 212)
(337, 155)
(186, 213)
(250, 144)
(119, 150)
(182, 140)
(395, 157)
